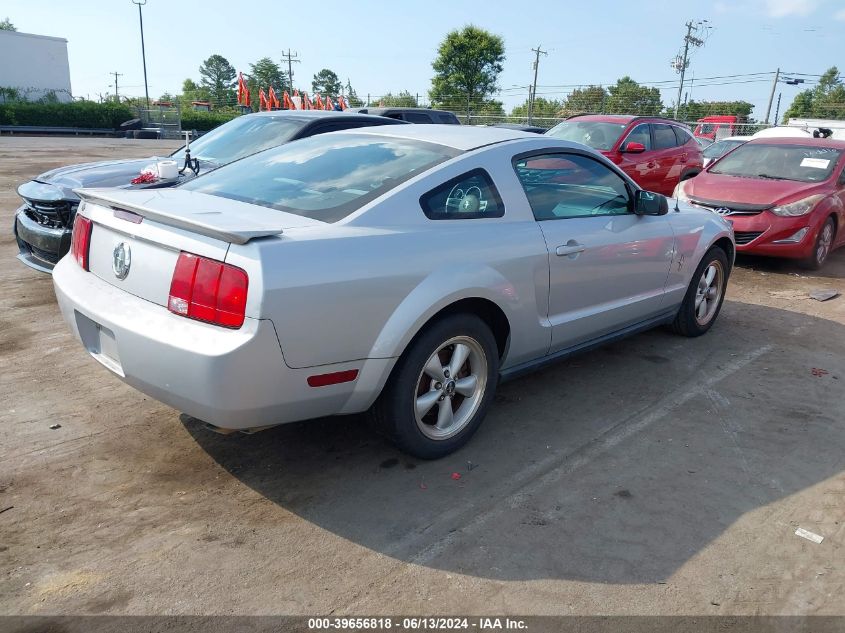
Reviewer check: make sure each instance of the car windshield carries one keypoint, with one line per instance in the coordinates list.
(241, 137)
(802, 163)
(325, 177)
(596, 134)
(720, 148)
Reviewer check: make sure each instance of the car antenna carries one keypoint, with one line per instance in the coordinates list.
(190, 163)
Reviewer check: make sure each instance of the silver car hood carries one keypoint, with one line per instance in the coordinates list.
(221, 218)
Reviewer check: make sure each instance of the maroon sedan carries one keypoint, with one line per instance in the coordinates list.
(784, 196)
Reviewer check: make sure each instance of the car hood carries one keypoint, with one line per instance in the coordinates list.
(107, 173)
(754, 191)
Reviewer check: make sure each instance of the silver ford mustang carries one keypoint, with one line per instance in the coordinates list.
(402, 270)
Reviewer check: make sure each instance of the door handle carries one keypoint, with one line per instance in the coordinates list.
(569, 249)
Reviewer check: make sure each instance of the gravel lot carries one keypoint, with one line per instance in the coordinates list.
(659, 475)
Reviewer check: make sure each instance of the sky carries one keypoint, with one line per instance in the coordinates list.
(388, 47)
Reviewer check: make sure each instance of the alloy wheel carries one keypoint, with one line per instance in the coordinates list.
(709, 292)
(450, 388)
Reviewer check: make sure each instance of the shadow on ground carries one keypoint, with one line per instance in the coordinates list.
(618, 466)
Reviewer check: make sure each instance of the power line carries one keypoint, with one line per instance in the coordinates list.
(116, 75)
(291, 59)
(681, 62)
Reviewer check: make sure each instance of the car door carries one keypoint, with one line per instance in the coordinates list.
(641, 167)
(666, 157)
(607, 265)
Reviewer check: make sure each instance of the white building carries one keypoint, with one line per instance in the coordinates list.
(34, 65)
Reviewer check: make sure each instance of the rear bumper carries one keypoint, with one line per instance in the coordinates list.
(233, 379)
(40, 247)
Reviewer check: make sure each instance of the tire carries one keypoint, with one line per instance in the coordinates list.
(146, 134)
(822, 247)
(411, 410)
(693, 320)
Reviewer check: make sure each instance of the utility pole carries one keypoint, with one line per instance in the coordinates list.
(116, 75)
(777, 108)
(140, 4)
(537, 52)
(681, 62)
(291, 59)
(772, 95)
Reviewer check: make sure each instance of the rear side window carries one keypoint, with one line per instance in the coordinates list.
(664, 137)
(682, 135)
(469, 196)
(448, 118)
(417, 117)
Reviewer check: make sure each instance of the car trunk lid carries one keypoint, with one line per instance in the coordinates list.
(137, 235)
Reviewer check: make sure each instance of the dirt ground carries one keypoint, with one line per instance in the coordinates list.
(659, 475)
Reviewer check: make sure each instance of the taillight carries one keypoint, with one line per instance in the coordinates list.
(207, 290)
(80, 240)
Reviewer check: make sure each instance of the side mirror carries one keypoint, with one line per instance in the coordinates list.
(650, 203)
(634, 148)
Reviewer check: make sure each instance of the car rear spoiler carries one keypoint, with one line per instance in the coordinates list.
(236, 226)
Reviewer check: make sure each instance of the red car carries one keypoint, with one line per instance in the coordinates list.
(657, 153)
(784, 196)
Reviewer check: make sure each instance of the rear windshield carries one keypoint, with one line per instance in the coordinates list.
(802, 163)
(325, 177)
(720, 148)
(243, 136)
(595, 134)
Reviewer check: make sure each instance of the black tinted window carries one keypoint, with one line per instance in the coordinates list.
(664, 137)
(562, 186)
(417, 117)
(447, 118)
(469, 196)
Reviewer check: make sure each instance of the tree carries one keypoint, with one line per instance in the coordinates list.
(543, 108)
(5, 25)
(218, 76)
(629, 97)
(352, 96)
(694, 110)
(589, 99)
(467, 69)
(266, 74)
(402, 100)
(825, 101)
(326, 82)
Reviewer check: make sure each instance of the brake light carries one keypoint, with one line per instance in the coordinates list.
(207, 290)
(80, 240)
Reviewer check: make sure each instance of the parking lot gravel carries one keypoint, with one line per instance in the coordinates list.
(659, 475)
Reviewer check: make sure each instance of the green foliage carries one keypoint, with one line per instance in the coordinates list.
(86, 114)
(5, 25)
(266, 74)
(402, 100)
(352, 96)
(581, 100)
(629, 97)
(192, 92)
(204, 121)
(466, 69)
(326, 82)
(694, 110)
(218, 76)
(10, 94)
(548, 108)
(825, 101)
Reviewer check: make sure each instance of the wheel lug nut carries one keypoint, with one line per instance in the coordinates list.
(437, 385)
(446, 373)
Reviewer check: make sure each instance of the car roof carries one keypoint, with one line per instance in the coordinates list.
(805, 141)
(385, 109)
(733, 138)
(459, 137)
(622, 118)
(307, 115)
